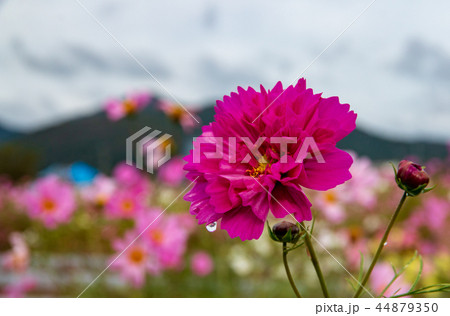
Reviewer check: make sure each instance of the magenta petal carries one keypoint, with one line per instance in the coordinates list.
(200, 206)
(290, 200)
(218, 188)
(204, 212)
(327, 175)
(242, 223)
(257, 196)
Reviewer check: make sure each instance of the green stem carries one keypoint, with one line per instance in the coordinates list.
(288, 272)
(381, 245)
(315, 261)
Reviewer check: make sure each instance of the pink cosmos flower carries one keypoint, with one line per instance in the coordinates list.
(160, 247)
(20, 288)
(361, 190)
(136, 261)
(18, 258)
(125, 203)
(201, 263)
(50, 200)
(428, 226)
(179, 115)
(117, 109)
(242, 185)
(172, 173)
(355, 244)
(381, 275)
(332, 204)
(167, 236)
(132, 178)
(99, 193)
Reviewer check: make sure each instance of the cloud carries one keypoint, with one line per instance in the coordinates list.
(395, 74)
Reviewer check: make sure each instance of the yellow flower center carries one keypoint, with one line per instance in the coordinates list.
(127, 206)
(101, 201)
(129, 106)
(355, 234)
(176, 113)
(48, 205)
(136, 255)
(156, 236)
(260, 169)
(330, 197)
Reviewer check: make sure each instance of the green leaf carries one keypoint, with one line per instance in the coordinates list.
(351, 284)
(395, 170)
(429, 189)
(361, 267)
(271, 234)
(419, 274)
(295, 246)
(288, 236)
(397, 274)
(312, 225)
(444, 287)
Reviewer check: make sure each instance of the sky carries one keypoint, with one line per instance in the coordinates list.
(392, 64)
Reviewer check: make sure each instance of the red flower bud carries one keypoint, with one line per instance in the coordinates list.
(411, 177)
(281, 231)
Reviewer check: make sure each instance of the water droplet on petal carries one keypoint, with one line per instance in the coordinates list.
(211, 227)
(385, 243)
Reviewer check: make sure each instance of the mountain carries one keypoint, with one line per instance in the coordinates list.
(6, 134)
(99, 142)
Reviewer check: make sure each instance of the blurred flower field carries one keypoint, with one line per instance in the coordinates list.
(60, 237)
(57, 236)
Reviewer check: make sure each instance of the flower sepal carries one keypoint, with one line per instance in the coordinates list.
(285, 232)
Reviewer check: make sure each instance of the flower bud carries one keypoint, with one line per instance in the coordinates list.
(285, 232)
(411, 177)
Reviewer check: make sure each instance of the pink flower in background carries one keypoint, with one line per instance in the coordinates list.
(355, 245)
(172, 173)
(434, 166)
(50, 200)
(160, 247)
(20, 288)
(167, 235)
(186, 221)
(201, 263)
(136, 261)
(117, 109)
(179, 115)
(15, 194)
(125, 203)
(127, 175)
(331, 204)
(427, 227)
(18, 258)
(381, 275)
(361, 189)
(100, 191)
(238, 193)
(132, 178)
